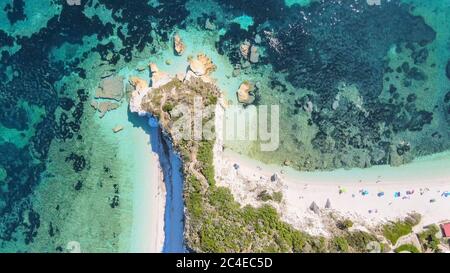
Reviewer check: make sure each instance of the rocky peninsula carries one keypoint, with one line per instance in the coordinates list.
(214, 220)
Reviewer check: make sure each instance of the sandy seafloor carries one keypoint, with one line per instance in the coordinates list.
(137, 225)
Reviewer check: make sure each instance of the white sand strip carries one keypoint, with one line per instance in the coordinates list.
(425, 180)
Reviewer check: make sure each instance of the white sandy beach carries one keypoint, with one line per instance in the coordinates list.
(149, 208)
(366, 196)
(426, 180)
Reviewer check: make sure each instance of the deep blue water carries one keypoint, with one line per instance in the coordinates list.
(173, 178)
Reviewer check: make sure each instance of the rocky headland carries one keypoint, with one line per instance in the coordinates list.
(213, 220)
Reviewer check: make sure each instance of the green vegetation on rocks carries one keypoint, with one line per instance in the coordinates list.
(345, 224)
(394, 230)
(428, 238)
(339, 244)
(407, 248)
(205, 156)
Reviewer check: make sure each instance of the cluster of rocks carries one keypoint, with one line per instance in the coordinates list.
(199, 67)
(249, 52)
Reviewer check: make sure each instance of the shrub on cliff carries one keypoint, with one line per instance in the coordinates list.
(205, 157)
(428, 238)
(407, 248)
(393, 231)
(194, 199)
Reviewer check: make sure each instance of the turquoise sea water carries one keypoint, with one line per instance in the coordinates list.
(65, 177)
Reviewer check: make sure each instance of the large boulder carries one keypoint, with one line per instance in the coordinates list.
(104, 107)
(159, 78)
(244, 93)
(245, 49)
(254, 54)
(139, 84)
(178, 45)
(202, 65)
(110, 88)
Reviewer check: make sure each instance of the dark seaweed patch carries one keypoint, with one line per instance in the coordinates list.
(138, 17)
(329, 42)
(5, 39)
(78, 185)
(66, 103)
(15, 12)
(78, 162)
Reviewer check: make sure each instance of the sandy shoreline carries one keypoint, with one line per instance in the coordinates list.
(149, 197)
(367, 197)
(152, 236)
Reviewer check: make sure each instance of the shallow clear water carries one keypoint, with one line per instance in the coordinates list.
(375, 77)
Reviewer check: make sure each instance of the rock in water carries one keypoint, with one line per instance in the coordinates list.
(117, 129)
(254, 54)
(106, 106)
(158, 77)
(328, 204)
(178, 45)
(202, 65)
(258, 39)
(243, 93)
(110, 88)
(210, 25)
(245, 49)
(94, 104)
(447, 70)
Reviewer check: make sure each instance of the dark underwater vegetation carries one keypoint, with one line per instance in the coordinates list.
(358, 85)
